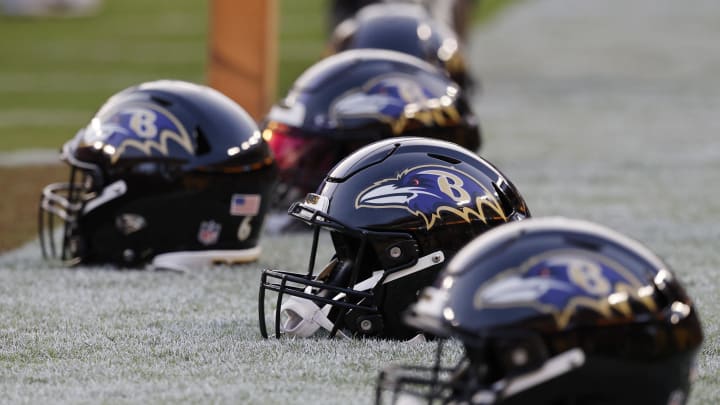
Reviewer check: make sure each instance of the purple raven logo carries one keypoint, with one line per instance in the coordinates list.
(395, 99)
(429, 190)
(141, 128)
(561, 281)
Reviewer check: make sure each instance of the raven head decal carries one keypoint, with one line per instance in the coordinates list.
(429, 190)
(395, 100)
(141, 128)
(562, 281)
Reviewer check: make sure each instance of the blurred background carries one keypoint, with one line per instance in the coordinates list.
(59, 64)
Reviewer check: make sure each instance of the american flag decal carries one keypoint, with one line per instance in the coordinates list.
(244, 204)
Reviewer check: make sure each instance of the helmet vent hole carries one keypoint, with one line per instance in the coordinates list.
(203, 146)
(444, 158)
(161, 101)
(582, 243)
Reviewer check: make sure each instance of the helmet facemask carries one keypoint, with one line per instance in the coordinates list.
(346, 293)
(67, 202)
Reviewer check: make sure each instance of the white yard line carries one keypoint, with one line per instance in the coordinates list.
(29, 157)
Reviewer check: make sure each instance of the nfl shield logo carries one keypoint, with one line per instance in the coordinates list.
(209, 232)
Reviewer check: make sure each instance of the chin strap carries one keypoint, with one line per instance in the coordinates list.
(408, 399)
(304, 317)
(561, 364)
(555, 366)
(417, 339)
(187, 261)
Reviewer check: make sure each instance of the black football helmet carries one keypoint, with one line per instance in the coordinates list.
(396, 211)
(341, 10)
(354, 98)
(407, 28)
(554, 311)
(167, 171)
(454, 13)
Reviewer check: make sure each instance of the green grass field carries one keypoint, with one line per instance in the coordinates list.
(55, 73)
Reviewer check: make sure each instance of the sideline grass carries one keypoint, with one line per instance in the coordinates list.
(56, 72)
(21, 193)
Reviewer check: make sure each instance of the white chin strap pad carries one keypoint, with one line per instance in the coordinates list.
(303, 317)
(186, 261)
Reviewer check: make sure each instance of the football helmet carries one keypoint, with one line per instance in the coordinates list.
(454, 13)
(407, 28)
(341, 10)
(396, 211)
(167, 171)
(354, 98)
(554, 311)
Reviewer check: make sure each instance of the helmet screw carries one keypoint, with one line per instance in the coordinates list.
(366, 325)
(128, 255)
(436, 259)
(519, 356)
(395, 252)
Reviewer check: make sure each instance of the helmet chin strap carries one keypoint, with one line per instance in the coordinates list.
(304, 317)
(555, 366)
